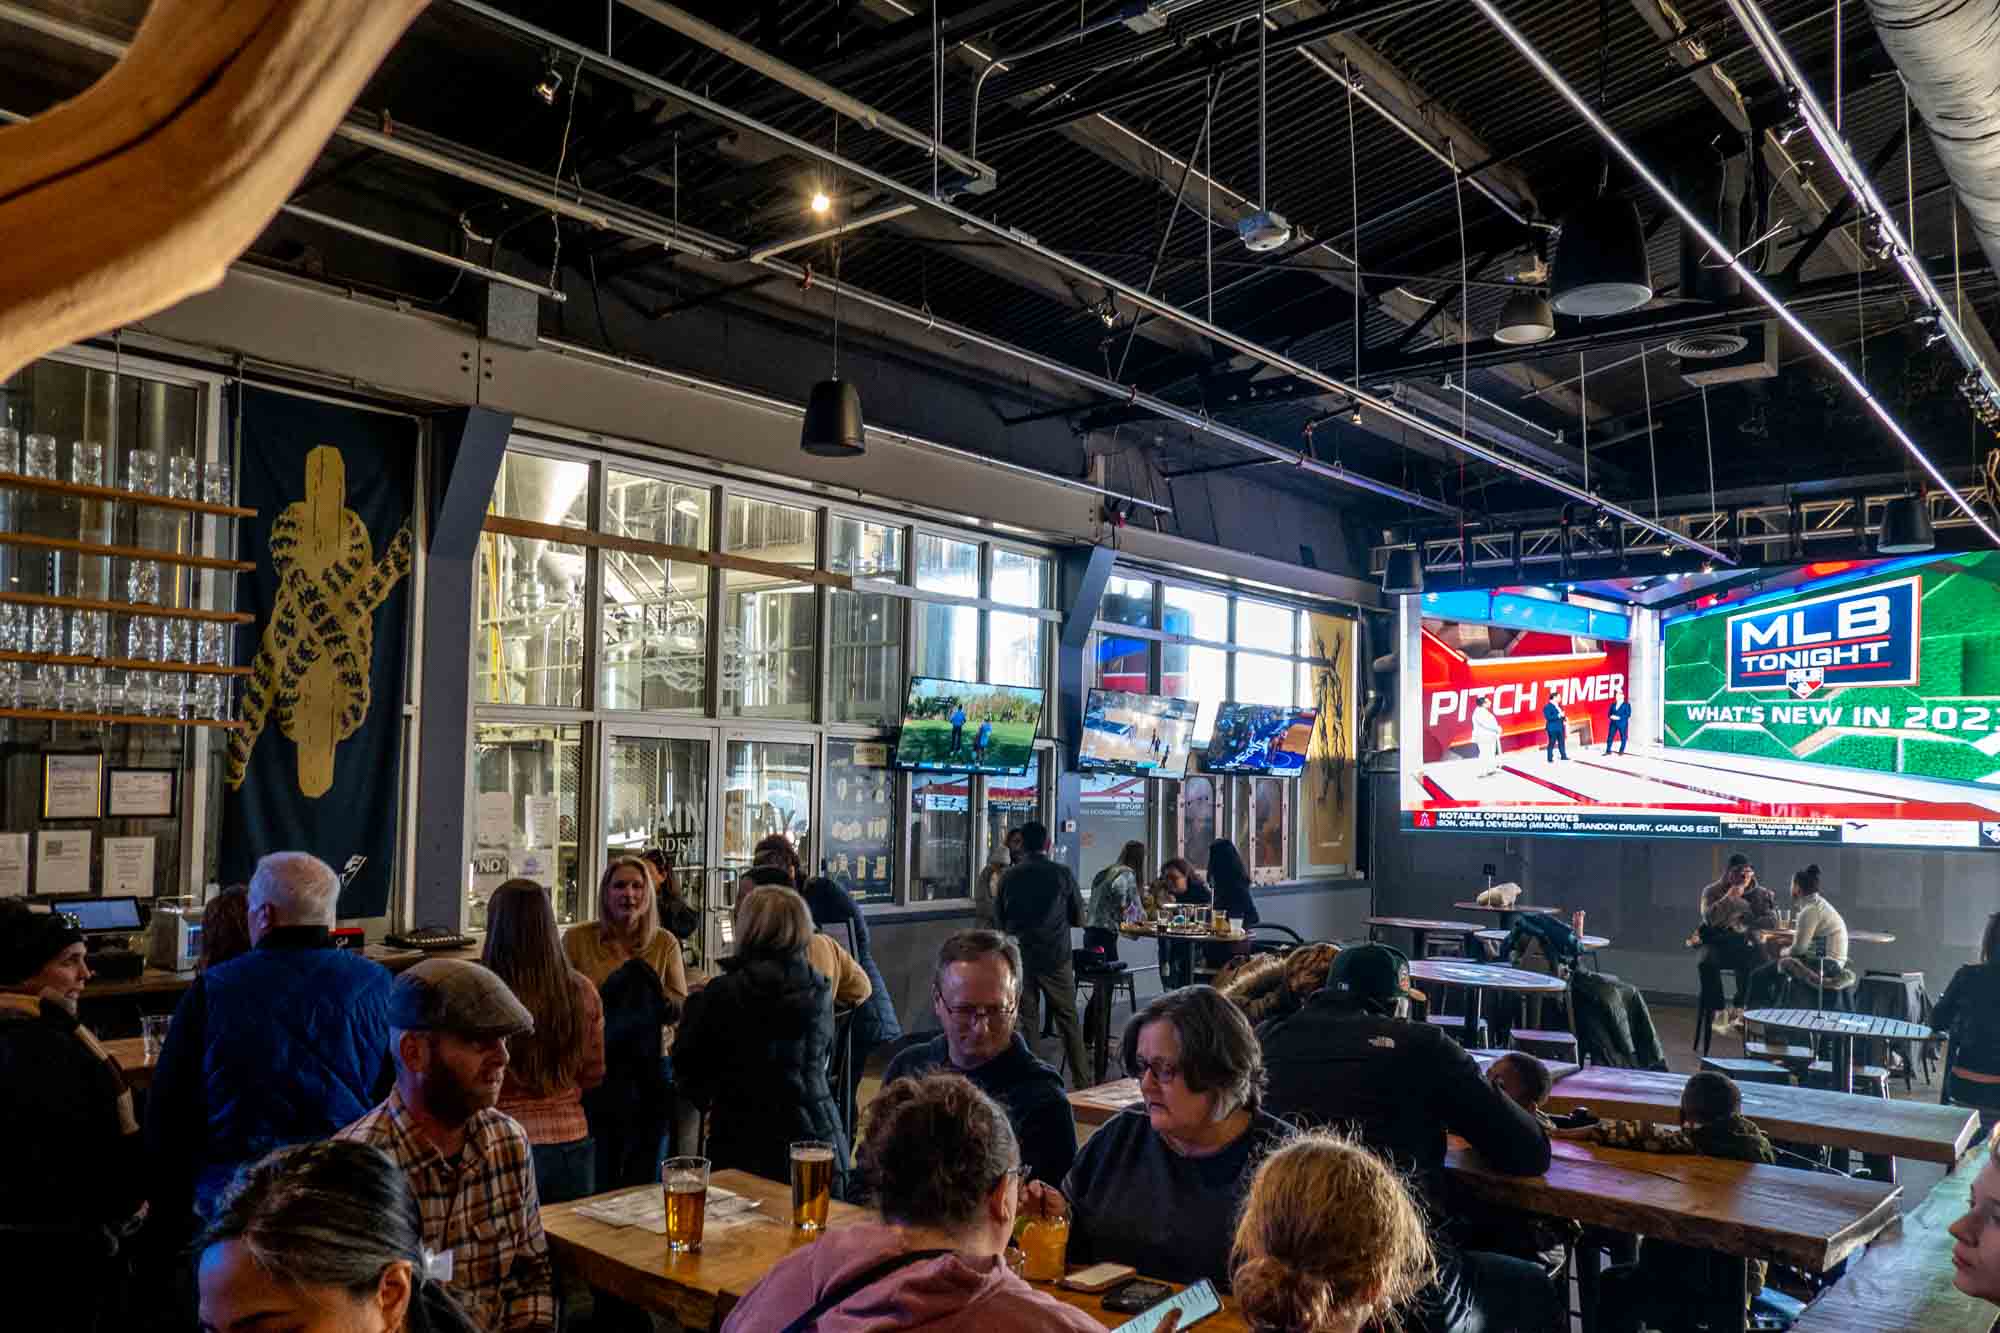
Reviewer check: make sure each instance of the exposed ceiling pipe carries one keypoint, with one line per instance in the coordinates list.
(1750, 279)
(980, 177)
(412, 248)
(974, 223)
(853, 224)
(1063, 39)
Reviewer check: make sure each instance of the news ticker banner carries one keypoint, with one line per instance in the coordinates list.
(1896, 673)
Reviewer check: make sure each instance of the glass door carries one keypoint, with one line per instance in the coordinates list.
(657, 789)
(768, 784)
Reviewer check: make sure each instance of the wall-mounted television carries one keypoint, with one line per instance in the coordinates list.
(1144, 734)
(1852, 702)
(956, 726)
(1260, 738)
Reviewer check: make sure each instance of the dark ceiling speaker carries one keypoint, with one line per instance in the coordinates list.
(1707, 346)
(1906, 527)
(1600, 263)
(833, 427)
(1404, 571)
(1525, 318)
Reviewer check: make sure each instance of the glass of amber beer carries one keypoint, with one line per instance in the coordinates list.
(812, 1184)
(685, 1183)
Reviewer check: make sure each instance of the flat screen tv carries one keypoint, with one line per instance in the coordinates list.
(955, 726)
(1144, 734)
(1260, 738)
(1851, 702)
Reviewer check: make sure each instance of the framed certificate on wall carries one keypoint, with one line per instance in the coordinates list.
(140, 793)
(72, 786)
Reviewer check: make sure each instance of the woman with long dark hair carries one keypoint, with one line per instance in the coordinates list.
(324, 1235)
(1114, 899)
(1970, 1014)
(1229, 880)
(550, 1068)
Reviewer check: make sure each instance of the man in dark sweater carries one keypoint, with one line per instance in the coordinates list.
(1038, 902)
(975, 992)
(1345, 1060)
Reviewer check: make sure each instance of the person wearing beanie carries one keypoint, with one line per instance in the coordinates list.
(71, 1177)
(1345, 1059)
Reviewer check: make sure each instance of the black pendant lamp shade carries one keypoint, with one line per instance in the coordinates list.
(1524, 319)
(833, 427)
(1600, 260)
(1906, 527)
(1404, 571)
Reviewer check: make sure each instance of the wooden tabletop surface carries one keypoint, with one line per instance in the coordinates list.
(1517, 907)
(1558, 1069)
(1150, 930)
(1424, 924)
(130, 1053)
(1917, 1131)
(1904, 1283)
(153, 981)
(1485, 976)
(1500, 937)
(634, 1265)
(1838, 1024)
(1741, 1208)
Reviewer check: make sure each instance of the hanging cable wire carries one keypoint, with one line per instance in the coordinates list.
(937, 88)
(1708, 434)
(1583, 413)
(1652, 459)
(1354, 203)
(1464, 311)
(1263, 108)
(562, 159)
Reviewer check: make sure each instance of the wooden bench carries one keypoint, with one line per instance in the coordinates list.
(1903, 1284)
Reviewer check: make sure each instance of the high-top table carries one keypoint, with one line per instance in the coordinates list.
(1843, 1028)
(1588, 943)
(1420, 928)
(1178, 946)
(1477, 978)
(1904, 1283)
(1507, 914)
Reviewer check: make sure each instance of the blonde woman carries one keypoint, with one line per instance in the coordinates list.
(627, 927)
(1330, 1241)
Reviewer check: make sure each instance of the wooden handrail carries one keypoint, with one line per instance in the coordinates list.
(124, 664)
(128, 608)
(693, 555)
(41, 543)
(19, 482)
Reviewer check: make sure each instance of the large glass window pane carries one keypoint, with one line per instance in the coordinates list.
(766, 789)
(655, 623)
(1111, 811)
(946, 641)
(1127, 602)
(1013, 801)
(555, 491)
(770, 635)
(864, 651)
(1121, 663)
(525, 783)
(1197, 614)
(941, 851)
(778, 533)
(868, 550)
(528, 616)
(1264, 680)
(1201, 674)
(860, 819)
(674, 513)
(656, 795)
(1263, 625)
(1014, 649)
(1019, 579)
(944, 565)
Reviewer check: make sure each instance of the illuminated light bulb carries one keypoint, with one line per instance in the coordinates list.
(820, 203)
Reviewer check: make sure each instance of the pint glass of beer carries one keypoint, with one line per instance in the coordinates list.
(685, 1182)
(812, 1184)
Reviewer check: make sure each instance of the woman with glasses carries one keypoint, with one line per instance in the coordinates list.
(945, 1170)
(1157, 1187)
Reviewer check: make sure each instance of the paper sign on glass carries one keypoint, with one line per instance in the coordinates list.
(62, 863)
(128, 867)
(13, 865)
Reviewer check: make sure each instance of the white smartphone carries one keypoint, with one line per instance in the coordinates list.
(1195, 1303)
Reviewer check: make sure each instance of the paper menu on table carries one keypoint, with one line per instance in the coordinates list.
(646, 1209)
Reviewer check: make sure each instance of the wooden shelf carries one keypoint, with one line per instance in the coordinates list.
(125, 664)
(128, 608)
(50, 486)
(116, 719)
(38, 543)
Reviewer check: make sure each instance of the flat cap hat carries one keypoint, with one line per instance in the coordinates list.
(450, 995)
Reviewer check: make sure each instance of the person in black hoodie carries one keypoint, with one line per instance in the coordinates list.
(1400, 1087)
(1229, 879)
(755, 1044)
(1970, 1013)
(975, 993)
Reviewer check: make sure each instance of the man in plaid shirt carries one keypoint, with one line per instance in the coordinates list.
(468, 1163)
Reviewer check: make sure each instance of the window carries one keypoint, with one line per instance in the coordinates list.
(1019, 579)
(655, 614)
(529, 611)
(865, 550)
(865, 657)
(860, 820)
(1012, 802)
(1201, 674)
(944, 565)
(766, 789)
(1014, 648)
(1270, 800)
(1127, 601)
(1264, 680)
(525, 780)
(941, 850)
(770, 634)
(1197, 614)
(945, 642)
(1111, 811)
(1120, 662)
(1262, 625)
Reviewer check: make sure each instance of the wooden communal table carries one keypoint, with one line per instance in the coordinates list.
(1094, 1106)
(1507, 914)
(1904, 1283)
(699, 1290)
(1179, 946)
(130, 1053)
(155, 982)
(1742, 1210)
(1558, 1069)
(1843, 1028)
(1477, 978)
(1917, 1131)
(1421, 928)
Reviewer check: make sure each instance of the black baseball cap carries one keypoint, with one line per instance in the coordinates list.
(1370, 972)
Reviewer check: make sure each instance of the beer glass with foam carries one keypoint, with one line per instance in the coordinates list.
(684, 1180)
(812, 1184)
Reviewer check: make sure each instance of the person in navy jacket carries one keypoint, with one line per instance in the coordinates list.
(1552, 716)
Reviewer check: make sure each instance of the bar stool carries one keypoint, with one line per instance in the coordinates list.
(1104, 984)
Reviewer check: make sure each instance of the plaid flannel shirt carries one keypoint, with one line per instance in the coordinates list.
(483, 1212)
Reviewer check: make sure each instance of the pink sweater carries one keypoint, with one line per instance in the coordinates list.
(942, 1294)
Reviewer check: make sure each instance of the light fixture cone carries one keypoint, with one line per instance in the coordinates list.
(1525, 318)
(1906, 528)
(1403, 573)
(833, 427)
(1600, 262)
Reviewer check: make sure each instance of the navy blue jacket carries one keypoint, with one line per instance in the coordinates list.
(1028, 1088)
(283, 1045)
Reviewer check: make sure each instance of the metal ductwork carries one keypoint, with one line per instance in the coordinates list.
(1946, 55)
(1703, 180)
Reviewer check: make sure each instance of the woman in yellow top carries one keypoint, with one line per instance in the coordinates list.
(826, 954)
(627, 927)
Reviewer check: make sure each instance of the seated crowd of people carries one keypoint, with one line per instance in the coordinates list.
(331, 1145)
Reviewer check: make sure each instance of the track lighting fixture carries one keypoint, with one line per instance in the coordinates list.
(549, 86)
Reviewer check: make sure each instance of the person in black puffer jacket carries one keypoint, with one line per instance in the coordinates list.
(628, 1110)
(1970, 1013)
(754, 1046)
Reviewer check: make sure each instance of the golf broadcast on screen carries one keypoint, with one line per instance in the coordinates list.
(1853, 702)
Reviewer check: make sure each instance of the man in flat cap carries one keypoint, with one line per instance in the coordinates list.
(468, 1163)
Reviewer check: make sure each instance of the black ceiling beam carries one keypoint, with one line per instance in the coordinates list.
(1414, 331)
(1838, 213)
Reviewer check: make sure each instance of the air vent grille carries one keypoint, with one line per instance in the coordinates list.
(1707, 346)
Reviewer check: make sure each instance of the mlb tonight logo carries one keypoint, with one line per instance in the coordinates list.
(1861, 636)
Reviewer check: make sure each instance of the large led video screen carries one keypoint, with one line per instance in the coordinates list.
(1144, 734)
(956, 726)
(1850, 702)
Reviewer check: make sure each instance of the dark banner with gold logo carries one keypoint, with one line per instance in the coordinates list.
(317, 766)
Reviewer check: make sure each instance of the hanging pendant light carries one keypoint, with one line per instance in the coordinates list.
(1600, 261)
(1525, 318)
(1906, 528)
(833, 426)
